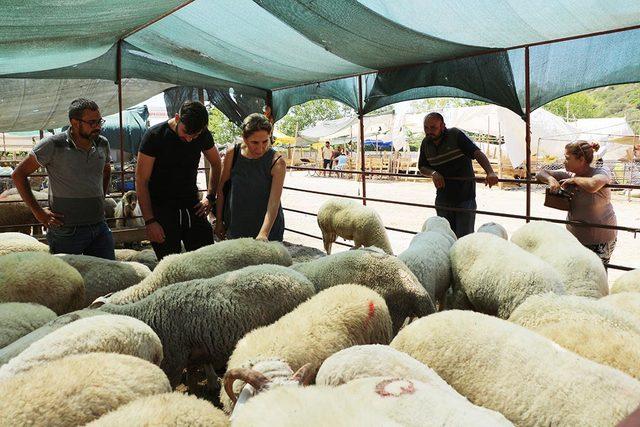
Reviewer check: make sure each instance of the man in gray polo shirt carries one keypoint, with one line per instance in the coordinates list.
(78, 165)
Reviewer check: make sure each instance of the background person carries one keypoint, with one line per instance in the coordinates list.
(446, 153)
(257, 177)
(78, 164)
(591, 200)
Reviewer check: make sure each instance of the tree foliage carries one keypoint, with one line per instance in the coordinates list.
(309, 113)
(223, 130)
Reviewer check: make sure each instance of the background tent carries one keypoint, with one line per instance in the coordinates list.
(134, 125)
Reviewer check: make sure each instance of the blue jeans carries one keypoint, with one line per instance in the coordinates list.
(94, 240)
(462, 223)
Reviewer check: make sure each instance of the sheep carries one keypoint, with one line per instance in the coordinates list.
(108, 334)
(41, 278)
(494, 228)
(301, 253)
(206, 262)
(428, 257)
(15, 348)
(385, 274)
(145, 256)
(128, 211)
(507, 368)
(20, 242)
(352, 221)
(628, 282)
(77, 389)
(200, 321)
(365, 402)
(588, 327)
(626, 301)
(580, 269)
(493, 276)
(336, 318)
(17, 319)
(102, 276)
(109, 206)
(14, 212)
(167, 409)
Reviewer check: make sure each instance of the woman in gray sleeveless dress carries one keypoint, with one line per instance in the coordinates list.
(256, 174)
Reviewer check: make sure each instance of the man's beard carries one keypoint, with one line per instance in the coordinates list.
(93, 135)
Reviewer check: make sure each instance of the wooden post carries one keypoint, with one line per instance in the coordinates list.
(119, 81)
(361, 119)
(528, 129)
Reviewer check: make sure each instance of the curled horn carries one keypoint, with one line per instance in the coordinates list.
(304, 375)
(249, 376)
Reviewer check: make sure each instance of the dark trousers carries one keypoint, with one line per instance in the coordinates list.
(181, 226)
(93, 240)
(462, 223)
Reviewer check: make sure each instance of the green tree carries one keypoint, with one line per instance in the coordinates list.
(581, 105)
(309, 113)
(223, 130)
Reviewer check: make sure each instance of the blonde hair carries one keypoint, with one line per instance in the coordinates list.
(582, 150)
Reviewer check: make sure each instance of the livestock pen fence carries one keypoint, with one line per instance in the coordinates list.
(137, 234)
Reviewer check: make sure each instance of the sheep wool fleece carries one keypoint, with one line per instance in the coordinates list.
(204, 263)
(11, 242)
(41, 278)
(334, 319)
(17, 319)
(77, 389)
(526, 377)
(200, 321)
(628, 282)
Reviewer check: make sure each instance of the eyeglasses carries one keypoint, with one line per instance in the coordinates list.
(93, 123)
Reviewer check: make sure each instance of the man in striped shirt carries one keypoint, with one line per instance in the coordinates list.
(446, 154)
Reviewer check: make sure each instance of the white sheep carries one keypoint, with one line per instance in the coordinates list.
(145, 256)
(494, 228)
(167, 409)
(493, 276)
(507, 368)
(200, 321)
(41, 278)
(588, 327)
(77, 389)
(580, 269)
(626, 301)
(336, 318)
(102, 276)
(128, 211)
(385, 274)
(366, 361)
(19, 242)
(352, 221)
(628, 282)
(206, 262)
(365, 402)
(17, 319)
(107, 334)
(428, 257)
(15, 348)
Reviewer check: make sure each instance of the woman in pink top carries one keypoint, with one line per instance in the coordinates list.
(591, 201)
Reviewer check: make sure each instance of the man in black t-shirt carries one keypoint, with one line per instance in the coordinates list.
(166, 176)
(447, 153)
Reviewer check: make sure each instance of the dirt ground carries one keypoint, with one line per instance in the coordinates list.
(627, 251)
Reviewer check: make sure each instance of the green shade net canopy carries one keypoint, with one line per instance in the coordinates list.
(246, 54)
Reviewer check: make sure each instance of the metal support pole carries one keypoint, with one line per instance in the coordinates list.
(119, 82)
(528, 129)
(361, 119)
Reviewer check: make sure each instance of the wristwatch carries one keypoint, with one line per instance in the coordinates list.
(211, 197)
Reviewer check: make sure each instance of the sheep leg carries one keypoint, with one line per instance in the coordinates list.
(328, 239)
(213, 381)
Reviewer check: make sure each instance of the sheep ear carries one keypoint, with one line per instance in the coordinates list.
(304, 375)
